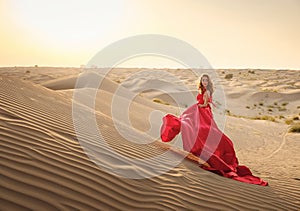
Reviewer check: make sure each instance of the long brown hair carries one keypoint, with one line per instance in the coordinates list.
(209, 85)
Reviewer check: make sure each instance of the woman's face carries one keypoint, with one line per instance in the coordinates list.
(204, 81)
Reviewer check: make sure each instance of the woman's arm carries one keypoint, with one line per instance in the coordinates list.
(206, 97)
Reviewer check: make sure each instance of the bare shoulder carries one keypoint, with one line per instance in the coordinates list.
(207, 93)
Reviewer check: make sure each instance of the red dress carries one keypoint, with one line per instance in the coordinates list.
(202, 137)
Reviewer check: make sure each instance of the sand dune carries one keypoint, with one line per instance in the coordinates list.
(283, 97)
(88, 80)
(44, 166)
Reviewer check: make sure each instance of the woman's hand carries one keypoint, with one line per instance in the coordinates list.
(202, 105)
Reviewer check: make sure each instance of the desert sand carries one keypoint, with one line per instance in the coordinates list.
(44, 165)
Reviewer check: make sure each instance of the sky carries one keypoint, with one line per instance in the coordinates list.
(229, 33)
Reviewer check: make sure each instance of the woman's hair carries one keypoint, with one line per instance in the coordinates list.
(209, 85)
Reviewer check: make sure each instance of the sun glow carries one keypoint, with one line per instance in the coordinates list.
(229, 33)
(65, 23)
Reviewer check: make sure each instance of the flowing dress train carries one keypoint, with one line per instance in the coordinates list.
(202, 137)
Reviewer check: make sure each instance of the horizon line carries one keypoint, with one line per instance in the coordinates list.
(172, 68)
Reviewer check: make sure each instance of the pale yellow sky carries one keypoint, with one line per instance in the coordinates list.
(229, 33)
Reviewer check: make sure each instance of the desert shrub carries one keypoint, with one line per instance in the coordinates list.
(288, 121)
(282, 109)
(269, 118)
(284, 103)
(157, 100)
(229, 76)
(295, 129)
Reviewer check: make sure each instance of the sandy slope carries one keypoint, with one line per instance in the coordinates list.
(43, 166)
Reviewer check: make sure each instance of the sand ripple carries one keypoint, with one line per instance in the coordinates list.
(43, 166)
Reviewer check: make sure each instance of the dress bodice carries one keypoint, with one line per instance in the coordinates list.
(200, 98)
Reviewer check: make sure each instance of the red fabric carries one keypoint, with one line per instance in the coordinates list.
(170, 128)
(202, 137)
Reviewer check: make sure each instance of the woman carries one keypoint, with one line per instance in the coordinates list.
(202, 137)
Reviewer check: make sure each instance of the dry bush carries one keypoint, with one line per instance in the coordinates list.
(295, 129)
(229, 76)
(157, 100)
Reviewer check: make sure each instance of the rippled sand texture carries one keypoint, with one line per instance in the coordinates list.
(44, 165)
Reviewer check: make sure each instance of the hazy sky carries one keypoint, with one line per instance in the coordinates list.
(229, 33)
